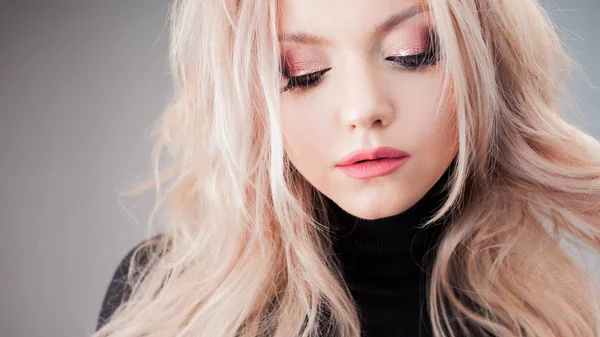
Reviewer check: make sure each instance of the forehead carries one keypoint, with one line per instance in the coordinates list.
(340, 18)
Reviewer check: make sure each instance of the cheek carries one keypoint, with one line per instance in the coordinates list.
(430, 131)
(305, 132)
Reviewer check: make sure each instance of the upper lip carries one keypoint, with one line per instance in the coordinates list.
(378, 153)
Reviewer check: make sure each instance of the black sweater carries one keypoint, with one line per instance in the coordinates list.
(385, 262)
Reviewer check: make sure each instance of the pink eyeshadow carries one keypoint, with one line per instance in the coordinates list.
(411, 43)
(297, 64)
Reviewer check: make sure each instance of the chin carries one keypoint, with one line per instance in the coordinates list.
(371, 204)
(367, 210)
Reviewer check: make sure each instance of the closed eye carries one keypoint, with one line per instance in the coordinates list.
(416, 61)
(304, 82)
(427, 57)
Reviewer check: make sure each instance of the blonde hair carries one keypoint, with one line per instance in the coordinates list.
(244, 251)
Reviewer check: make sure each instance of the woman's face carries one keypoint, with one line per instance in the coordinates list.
(365, 91)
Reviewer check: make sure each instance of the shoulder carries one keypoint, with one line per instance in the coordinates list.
(119, 289)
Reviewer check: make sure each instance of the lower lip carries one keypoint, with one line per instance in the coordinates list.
(373, 168)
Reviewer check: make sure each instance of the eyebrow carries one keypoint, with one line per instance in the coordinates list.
(382, 28)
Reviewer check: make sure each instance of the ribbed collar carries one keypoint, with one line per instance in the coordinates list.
(391, 255)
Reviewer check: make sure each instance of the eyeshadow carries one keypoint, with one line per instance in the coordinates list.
(302, 60)
(408, 42)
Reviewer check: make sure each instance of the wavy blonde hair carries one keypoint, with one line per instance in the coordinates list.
(245, 251)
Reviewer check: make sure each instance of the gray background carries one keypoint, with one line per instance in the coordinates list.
(80, 84)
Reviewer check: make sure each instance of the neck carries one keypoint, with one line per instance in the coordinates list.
(386, 263)
(393, 247)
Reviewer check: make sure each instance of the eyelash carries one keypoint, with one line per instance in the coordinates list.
(409, 62)
(305, 81)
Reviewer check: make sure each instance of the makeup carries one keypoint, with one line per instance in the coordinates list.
(409, 48)
(301, 67)
(366, 164)
(417, 48)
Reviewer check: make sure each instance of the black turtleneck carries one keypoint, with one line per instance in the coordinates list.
(386, 263)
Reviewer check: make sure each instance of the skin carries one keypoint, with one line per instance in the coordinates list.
(363, 102)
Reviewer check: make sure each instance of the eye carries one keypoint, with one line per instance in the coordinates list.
(427, 57)
(416, 61)
(303, 82)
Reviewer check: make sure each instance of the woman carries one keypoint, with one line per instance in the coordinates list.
(359, 167)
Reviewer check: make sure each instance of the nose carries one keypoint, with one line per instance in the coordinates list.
(366, 103)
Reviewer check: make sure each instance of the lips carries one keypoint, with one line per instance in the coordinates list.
(370, 155)
(368, 164)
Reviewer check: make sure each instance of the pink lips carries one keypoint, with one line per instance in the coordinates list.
(365, 164)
